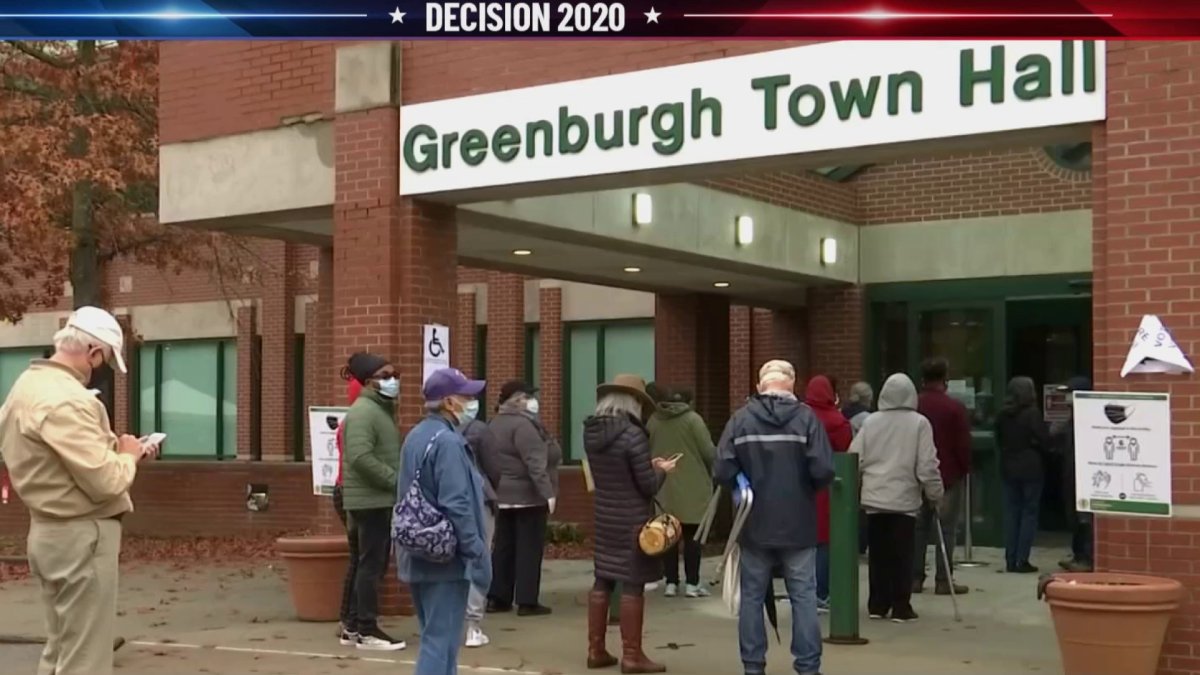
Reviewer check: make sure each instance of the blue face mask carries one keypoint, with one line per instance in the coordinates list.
(389, 388)
(469, 413)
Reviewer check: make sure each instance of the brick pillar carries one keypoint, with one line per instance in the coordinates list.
(462, 339)
(550, 331)
(394, 259)
(248, 398)
(835, 333)
(505, 332)
(1146, 189)
(277, 321)
(122, 384)
(321, 372)
(742, 334)
(691, 349)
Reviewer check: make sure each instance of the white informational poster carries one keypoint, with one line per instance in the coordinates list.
(1055, 404)
(435, 350)
(1123, 453)
(322, 430)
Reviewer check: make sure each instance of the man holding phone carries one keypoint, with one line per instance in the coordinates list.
(73, 474)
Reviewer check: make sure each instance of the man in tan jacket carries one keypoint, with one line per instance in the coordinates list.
(74, 475)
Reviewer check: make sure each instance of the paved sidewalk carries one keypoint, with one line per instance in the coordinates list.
(230, 620)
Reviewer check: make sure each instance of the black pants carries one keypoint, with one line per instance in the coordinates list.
(608, 586)
(691, 558)
(373, 530)
(349, 611)
(517, 556)
(890, 562)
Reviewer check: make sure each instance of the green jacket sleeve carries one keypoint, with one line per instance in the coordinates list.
(362, 438)
(704, 442)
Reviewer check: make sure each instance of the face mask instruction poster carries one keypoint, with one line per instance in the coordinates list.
(323, 424)
(1123, 453)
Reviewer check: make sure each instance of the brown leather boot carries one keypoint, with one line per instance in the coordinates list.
(598, 656)
(633, 659)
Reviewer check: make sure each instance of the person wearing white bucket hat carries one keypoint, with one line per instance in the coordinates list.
(73, 474)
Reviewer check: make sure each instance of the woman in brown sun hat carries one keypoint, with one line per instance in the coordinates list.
(626, 480)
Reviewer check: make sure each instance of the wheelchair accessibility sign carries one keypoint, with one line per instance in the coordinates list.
(435, 349)
(1123, 453)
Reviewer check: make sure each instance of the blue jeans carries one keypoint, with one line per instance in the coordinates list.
(799, 575)
(823, 572)
(441, 610)
(1022, 499)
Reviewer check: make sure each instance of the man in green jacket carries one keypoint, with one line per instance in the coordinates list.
(370, 461)
(676, 428)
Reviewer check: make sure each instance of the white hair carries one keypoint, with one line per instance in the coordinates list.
(71, 340)
(618, 403)
(861, 393)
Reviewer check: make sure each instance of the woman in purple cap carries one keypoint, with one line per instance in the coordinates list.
(439, 459)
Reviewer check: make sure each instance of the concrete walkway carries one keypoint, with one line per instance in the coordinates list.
(185, 621)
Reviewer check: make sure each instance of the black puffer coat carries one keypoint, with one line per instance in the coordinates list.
(618, 452)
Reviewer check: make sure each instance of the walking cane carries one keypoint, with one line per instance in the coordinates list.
(949, 571)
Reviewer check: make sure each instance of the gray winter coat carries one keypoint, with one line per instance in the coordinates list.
(526, 456)
(618, 453)
(898, 460)
(474, 431)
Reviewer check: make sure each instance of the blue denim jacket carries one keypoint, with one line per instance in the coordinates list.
(452, 484)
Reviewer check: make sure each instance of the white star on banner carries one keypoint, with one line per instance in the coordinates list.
(652, 15)
(397, 16)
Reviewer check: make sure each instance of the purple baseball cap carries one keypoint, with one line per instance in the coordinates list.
(450, 382)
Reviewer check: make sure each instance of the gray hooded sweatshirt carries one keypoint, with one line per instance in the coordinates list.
(898, 461)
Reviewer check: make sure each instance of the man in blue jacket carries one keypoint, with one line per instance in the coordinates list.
(782, 450)
(452, 484)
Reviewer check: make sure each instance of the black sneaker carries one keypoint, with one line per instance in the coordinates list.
(905, 616)
(496, 607)
(347, 638)
(375, 640)
(533, 610)
(1025, 568)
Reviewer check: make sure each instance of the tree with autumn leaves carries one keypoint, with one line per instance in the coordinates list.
(79, 174)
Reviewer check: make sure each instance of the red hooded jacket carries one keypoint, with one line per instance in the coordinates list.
(820, 397)
(353, 389)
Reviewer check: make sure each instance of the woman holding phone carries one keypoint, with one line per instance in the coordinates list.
(678, 433)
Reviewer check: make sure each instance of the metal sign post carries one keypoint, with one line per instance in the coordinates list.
(967, 561)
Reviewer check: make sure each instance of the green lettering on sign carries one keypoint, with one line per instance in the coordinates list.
(968, 77)
(1034, 81)
(806, 119)
(769, 86)
(474, 147)
(421, 157)
(506, 143)
(846, 100)
(566, 123)
(667, 123)
(916, 90)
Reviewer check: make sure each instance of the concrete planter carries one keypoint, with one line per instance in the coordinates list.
(1111, 624)
(316, 567)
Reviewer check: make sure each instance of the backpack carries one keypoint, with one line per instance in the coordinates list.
(418, 526)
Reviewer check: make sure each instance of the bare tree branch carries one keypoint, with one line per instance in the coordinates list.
(26, 48)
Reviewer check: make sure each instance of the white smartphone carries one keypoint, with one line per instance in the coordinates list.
(155, 439)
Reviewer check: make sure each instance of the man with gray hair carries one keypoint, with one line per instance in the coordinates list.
(780, 446)
(859, 407)
(73, 474)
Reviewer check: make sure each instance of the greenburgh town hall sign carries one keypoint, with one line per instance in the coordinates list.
(805, 99)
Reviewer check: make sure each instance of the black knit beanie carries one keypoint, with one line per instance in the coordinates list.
(363, 365)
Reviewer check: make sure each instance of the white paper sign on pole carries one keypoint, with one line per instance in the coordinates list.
(435, 350)
(1154, 351)
(1123, 453)
(323, 424)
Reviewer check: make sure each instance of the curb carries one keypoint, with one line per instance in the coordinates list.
(21, 640)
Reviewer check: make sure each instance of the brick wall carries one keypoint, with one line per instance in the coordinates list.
(505, 332)
(835, 315)
(801, 190)
(462, 348)
(1145, 246)
(691, 349)
(551, 359)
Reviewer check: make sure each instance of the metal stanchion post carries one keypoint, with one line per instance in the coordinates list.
(967, 561)
(843, 552)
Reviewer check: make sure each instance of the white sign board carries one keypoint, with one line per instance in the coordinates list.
(435, 348)
(813, 98)
(322, 432)
(1123, 453)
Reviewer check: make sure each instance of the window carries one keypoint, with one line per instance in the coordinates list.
(595, 353)
(13, 362)
(961, 336)
(188, 390)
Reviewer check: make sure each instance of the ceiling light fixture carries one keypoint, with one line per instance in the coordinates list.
(643, 209)
(522, 251)
(743, 230)
(721, 284)
(633, 270)
(829, 252)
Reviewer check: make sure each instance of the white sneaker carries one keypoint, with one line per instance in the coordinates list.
(347, 639)
(476, 638)
(697, 591)
(652, 586)
(672, 590)
(378, 641)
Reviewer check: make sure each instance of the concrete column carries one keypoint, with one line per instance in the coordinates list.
(505, 332)
(277, 319)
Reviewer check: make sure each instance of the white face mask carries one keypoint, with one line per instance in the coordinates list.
(470, 411)
(533, 406)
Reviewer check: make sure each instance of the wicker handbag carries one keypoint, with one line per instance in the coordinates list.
(660, 534)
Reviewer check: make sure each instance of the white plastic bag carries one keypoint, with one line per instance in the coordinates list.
(732, 591)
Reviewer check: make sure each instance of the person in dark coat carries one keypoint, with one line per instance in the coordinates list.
(780, 446)
(626, 480)
(1022, 437)
(527, 458)
(952, 437)
(1080, 522)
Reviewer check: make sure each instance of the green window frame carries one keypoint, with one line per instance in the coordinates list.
(177, 381)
